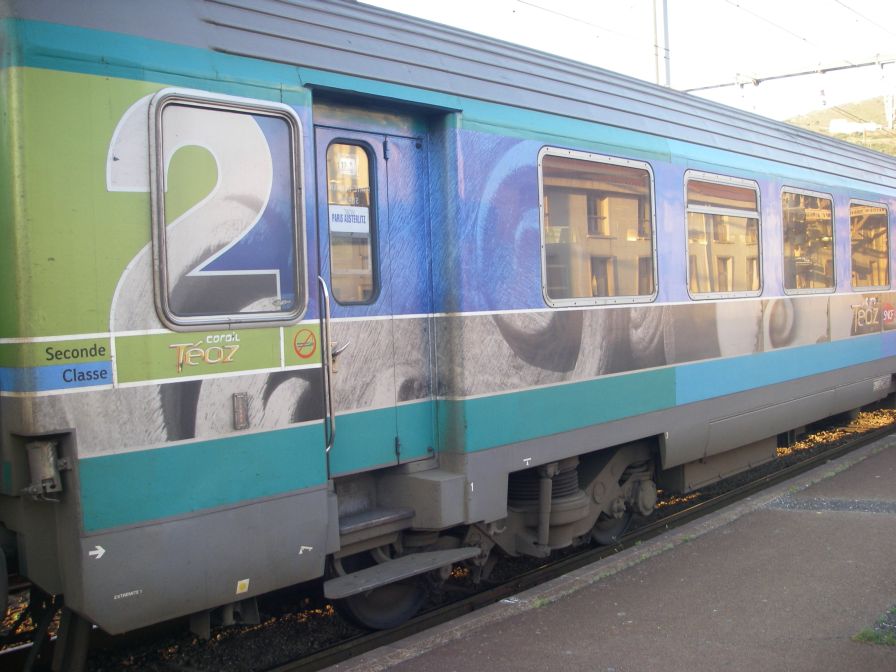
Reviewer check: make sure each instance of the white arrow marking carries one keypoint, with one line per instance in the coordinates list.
(302, 549)
(98, 552)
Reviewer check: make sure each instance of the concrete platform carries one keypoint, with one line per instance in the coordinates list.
(779, 582)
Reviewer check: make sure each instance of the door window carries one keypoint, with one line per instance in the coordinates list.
(351, 214)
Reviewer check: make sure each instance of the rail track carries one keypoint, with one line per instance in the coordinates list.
(172, 655)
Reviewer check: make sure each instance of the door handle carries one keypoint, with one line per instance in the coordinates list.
(327, 369)
(338, 349)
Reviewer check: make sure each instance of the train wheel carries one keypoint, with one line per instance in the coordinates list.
(608, 530)
(381, 608)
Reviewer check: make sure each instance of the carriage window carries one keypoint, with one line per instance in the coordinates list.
(597, 228)
(723, 235)
(351, 215)
(226, 220)
(808, 241)
(868, 226)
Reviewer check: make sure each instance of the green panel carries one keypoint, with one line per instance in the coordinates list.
(10, 200)
(80, 236)
(192, 174)
(10, 354)
(139, 487)
(488, 422)
(301, 344)
(181, 355)
(49, 353)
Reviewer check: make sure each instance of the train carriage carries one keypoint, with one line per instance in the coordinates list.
(300, 289)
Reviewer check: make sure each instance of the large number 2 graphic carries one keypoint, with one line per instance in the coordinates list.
(201, 279)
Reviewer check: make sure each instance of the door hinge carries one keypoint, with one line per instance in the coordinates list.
(386, 149)
(397, 447)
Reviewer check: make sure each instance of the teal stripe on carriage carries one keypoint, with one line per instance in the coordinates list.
(366, 439)
(486, 422)
(363, 440)
(93, 52)
(719, 377)
(144, 486)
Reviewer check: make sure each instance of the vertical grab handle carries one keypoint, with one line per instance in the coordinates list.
(327, 368)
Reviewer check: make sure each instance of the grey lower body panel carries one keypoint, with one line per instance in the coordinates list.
(684, 433)
(130, 578)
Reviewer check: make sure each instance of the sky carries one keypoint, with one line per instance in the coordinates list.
(710, 42)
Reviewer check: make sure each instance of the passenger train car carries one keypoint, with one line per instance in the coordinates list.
(301, 289)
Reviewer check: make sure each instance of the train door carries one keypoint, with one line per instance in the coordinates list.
(375, 263)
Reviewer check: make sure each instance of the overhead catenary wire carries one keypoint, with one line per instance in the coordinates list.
(765, 19)
(575, 19)
(877, 24)
(592, 35)
(820, 70)
(788, 75)
(622, 40)
(847, 64)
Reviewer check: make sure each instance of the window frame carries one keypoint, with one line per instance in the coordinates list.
(715, 178)
(810, 290)
(609, 160)
(864, 289)
(373, 172)
(158, 189)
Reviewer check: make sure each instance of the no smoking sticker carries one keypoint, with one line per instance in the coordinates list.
(304, 343)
